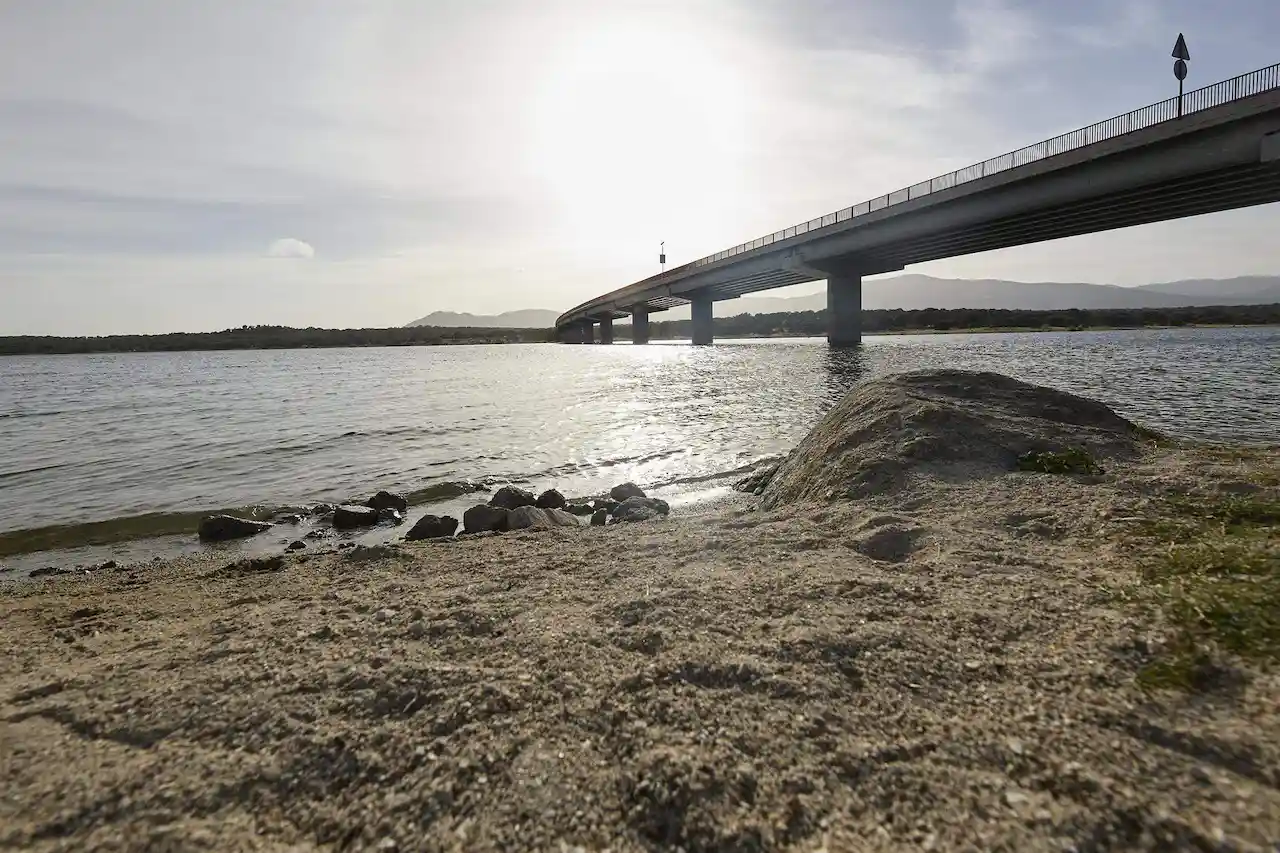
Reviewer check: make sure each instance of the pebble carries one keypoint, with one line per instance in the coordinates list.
(386, 614)
(417, 629)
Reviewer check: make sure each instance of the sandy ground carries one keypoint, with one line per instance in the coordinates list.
(945, 668)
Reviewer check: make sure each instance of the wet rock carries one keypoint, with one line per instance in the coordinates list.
(391, 515)
(640, 509)
(580, 509)
(49, 571)
(287, 518)
(626, 490)
(512, 497)
(109, 564)
(296, 545)
(322, 509)
(550, 499)
(388, 500)
(318, 534)
(432, 527)
(483, 517)
(220, 528)
(755, 482)
(604, 504)
(351, 516)
(600, 518)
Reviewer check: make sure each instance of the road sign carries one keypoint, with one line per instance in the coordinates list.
(1180, 50)
(1180, 70)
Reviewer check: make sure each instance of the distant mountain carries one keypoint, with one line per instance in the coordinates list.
(914, 291)
(921, 291)
(529, 318)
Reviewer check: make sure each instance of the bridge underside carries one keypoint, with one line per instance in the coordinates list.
(1226, 157)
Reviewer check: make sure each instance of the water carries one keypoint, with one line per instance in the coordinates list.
(157, 437)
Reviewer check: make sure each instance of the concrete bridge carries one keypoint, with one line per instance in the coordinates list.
(1220, 151)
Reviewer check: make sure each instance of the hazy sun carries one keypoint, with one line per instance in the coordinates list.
(639, 135)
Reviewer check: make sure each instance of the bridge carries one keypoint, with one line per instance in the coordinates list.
(1216, 148)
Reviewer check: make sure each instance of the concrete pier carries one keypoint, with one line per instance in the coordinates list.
(844, 309)
(606, 330)
(639, 325)
(700, 305)
(588, 334)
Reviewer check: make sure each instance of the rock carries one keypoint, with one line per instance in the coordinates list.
(297, 545)
(350, 516)
(604, 504)
(550, 499)
(580, 509)
(391, 515)
(318, 534)
(386, 614)
(626, 490)
(600, 518)
(888, 435)
(891, 543)
(640, 509)
(289, 518)
(322, 509)
(432, 527)
(525, 517)
(511, 497)
(482, 517)
(755, 482)
(49, 571)
(109, 564)
(220, 528)
(388, 500)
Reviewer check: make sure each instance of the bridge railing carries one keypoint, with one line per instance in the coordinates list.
(1244, 86)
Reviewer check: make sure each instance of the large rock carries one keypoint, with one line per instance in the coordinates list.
(600, 518)
(525, 517)
(626, 490)
(580, 509)
(481, 518)
(511, 497)
(432, 527)
(640, 509)
(351, 516)
(888, 433)
(388, 500)
(391, 515)
(220, 528)
(550, 499)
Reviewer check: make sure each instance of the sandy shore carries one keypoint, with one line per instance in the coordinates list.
(745, 679)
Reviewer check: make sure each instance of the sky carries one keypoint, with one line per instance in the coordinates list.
(183, 166)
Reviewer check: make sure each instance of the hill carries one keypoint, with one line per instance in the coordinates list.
(528, 318)
(914, 292)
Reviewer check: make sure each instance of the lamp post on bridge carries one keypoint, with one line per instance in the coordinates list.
(662, 255)
(1181, 56)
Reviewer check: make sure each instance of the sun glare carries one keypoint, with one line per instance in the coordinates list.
(639, 136)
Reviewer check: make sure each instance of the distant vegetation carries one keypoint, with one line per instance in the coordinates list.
(799, 323)
(271, 337)
(803, 323)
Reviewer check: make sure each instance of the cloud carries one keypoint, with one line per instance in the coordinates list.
(291, 247)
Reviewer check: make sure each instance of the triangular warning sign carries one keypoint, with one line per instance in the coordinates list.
(1180, 49)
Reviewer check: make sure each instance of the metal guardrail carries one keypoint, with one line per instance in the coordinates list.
(1244, 86)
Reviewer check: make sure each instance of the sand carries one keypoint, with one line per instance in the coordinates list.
(945, 666)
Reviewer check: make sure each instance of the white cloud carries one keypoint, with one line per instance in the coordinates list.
(291, 247)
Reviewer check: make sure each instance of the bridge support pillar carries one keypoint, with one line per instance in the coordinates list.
(639, 325)
(588, 334)
(844, 309)
(700, 305)
(606, 330)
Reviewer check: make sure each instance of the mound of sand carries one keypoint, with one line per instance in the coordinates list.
(954, 424)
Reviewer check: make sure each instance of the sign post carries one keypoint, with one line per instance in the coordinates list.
(662, 255)
(1182, 56)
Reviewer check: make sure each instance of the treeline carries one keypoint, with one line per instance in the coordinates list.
(270, 337)
(807, 323)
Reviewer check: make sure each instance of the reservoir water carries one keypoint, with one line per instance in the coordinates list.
(135, 446)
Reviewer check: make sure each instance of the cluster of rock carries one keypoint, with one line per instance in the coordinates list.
(755, 482)
(513, 508)
(510, 508)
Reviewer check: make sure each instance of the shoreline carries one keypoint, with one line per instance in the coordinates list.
(959, 663)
